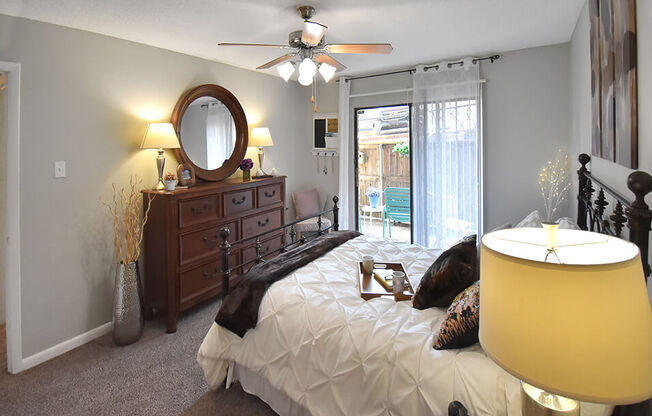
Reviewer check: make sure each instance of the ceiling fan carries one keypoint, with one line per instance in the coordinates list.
(309, 49)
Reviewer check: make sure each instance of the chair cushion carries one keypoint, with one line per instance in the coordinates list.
(462, 321)
(311, 224)
(306, 203)
(454, 270)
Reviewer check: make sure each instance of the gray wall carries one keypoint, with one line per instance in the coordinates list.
(580, 68)
(526, 120)
(85, 99)
(3, 190)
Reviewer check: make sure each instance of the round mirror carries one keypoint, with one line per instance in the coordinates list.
(212, 131)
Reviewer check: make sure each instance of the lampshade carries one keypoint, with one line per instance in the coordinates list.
(327, 71)
(160, 136)
(286, 70)
(312, 33)
(307, 68)
(260, 137)
(582, 328)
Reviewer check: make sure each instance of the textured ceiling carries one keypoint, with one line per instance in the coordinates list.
(421, 31)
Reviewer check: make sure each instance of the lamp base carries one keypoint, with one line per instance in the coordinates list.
(160, 165)
(537, 402)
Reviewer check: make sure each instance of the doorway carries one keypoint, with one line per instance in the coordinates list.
(3, 228)
(383, 166)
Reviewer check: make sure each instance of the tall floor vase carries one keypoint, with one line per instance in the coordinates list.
(127, 305)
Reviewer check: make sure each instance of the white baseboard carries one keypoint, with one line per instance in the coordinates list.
(65, 346)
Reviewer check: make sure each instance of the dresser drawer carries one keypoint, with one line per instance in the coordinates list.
(268, 195)
(260, 223)
(267, 250)
(238, 201)
(203, 243)
(199, 280)
(196, 211)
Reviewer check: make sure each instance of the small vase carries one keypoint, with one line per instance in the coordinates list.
(170, 185)
(373, 201)
(551, 234)
(246, 175)
(127, 305)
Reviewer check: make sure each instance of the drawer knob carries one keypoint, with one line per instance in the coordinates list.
(199, 210)
(208, 275)
(239, 202)
(210, 240)
(270, 194)
(263, 223)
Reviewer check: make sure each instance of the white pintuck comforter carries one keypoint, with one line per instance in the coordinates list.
(333, 353)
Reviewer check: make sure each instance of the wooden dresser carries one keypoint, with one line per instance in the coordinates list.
(182, 244)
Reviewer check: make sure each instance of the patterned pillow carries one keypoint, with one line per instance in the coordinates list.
(454, 270)
(462, 321)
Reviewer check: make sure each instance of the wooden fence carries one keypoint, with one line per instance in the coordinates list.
(394, 172)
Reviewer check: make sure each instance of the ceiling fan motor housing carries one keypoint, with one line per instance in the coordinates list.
(306, 12)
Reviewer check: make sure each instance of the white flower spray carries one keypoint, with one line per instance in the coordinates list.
(555, 183)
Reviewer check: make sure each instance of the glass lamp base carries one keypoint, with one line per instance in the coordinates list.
(537, 402)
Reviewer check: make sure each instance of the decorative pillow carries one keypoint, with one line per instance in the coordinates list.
(462, 321)
(568, 223)
(306, 203)
(453, 271)
(532, 220)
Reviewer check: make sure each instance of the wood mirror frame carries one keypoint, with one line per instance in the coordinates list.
(241, 130)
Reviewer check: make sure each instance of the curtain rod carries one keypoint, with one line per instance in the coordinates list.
(491, 58)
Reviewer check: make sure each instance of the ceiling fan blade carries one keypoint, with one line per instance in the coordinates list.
(266, 45)
(359, 48)
(312, 33)
(276, 61)
(330, 61)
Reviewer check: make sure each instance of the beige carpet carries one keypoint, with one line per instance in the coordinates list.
(158, 375)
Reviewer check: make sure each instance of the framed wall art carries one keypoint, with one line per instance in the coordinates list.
(613, 81)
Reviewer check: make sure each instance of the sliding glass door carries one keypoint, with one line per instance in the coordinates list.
(383, 172)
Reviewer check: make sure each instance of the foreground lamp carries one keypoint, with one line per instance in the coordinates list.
(261, 137)
(160, 136)
(575, 327)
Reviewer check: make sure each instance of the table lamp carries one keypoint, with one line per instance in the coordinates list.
(260, 137)
(160, 136)
(575, 327)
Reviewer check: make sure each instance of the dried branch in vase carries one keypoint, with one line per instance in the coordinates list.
(125, 208)
(554, 182)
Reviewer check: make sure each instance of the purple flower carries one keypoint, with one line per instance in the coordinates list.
(246, 164)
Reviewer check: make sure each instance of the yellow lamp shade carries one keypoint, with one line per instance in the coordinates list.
(260, 137)
(160, 136)
(578, 325)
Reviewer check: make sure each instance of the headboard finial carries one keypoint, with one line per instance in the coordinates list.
(583, 158)
(640, 183)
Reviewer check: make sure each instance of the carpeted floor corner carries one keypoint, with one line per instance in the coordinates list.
(158, 375)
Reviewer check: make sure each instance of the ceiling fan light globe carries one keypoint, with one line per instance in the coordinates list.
(313, 32)
(307, 68)
(305, 80)
(286, 70)
(327, 71)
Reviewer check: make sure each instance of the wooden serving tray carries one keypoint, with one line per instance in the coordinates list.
(370, 288)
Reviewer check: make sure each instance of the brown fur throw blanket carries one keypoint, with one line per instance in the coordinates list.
(239, 310)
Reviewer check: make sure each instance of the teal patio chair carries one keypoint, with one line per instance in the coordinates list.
(397, 207)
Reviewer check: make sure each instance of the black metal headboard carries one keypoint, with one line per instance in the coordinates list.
(636, 214)
(226, 245)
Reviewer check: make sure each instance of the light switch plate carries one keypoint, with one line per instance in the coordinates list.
(60, 169)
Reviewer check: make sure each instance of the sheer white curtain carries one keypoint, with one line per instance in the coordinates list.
(220, 135)
(346, 185)
(446, 123)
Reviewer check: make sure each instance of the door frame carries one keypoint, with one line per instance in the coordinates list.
(356, 165)
(12, 220)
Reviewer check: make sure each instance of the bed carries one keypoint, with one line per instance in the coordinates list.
(320, 349)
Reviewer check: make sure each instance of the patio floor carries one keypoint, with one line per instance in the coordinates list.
(400, 231)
